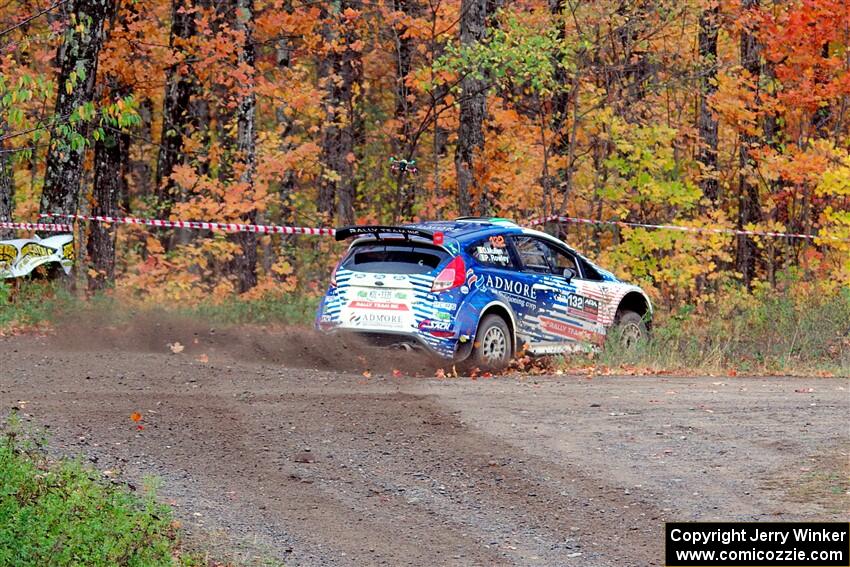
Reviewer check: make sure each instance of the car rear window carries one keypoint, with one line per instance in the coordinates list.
(394, 259)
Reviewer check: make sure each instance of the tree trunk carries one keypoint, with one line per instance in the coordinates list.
(749, 207)
(561, 144)
(111, 168)
(7, 187)
(404, 47)
(473, 111)
(637, 72)
(110, 187)
(141, 171)
(244, 264)
(177, 115)
(823, 115)
(342, 72)
(80, 49)
(707, 122)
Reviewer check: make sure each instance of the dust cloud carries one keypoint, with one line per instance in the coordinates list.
(286, 346)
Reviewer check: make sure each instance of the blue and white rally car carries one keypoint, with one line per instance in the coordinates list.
(477, 290)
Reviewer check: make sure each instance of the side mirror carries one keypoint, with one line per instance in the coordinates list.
(569, 274)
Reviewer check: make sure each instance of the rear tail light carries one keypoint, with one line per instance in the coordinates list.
(452, 276)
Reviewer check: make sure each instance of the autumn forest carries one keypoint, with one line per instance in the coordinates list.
(725, 114)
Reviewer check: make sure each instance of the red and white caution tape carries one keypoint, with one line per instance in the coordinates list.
(198, 225)
(704, 230)
(49, 227)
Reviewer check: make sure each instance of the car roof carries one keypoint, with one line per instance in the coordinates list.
(466, 228)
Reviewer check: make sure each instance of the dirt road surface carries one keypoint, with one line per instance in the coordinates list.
(270, 452)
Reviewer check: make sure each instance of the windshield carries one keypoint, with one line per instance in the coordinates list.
(394, 259)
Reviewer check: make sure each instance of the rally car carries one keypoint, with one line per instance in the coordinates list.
(477, 290)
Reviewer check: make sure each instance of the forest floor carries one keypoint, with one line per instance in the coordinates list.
(271, 450)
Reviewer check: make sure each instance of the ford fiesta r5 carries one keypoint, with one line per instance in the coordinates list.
(476, 290)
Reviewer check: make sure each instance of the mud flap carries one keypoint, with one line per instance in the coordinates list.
(463, 350)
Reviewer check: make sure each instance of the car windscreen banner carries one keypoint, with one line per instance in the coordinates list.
(21, 256)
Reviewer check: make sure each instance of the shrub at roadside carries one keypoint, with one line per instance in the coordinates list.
(31, 304)
(61, 513)
(798, 328)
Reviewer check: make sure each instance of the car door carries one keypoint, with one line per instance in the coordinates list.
(496, 273)
(568, 306)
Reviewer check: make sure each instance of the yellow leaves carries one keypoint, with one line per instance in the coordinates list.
(734, 101)
(223, 291)
(282, 268)
(835, 180)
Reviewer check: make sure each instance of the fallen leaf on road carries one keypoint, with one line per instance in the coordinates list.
(203, 359)
(176, 347)
(136, 416)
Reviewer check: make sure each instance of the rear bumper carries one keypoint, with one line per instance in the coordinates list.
(445, 349)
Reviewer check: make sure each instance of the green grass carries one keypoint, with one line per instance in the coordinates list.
(769, 332)
(59, 512)
(35, 302)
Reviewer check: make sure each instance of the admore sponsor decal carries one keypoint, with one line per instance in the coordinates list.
(510, 286)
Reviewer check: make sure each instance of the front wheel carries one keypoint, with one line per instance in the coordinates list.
(492, 349)
(630, 329)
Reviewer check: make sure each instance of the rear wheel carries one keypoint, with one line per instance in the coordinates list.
(492, 349)
(630, 329)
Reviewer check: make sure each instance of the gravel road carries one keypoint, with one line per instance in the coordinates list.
(269, 451)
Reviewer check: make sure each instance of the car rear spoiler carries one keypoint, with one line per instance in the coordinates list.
(378, 231)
